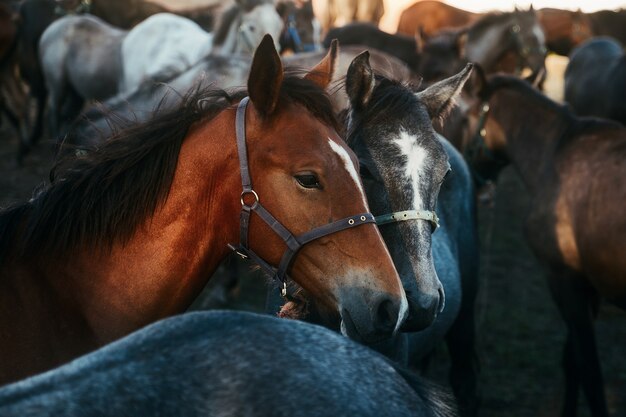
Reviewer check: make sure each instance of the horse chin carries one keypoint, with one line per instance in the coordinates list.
(349, 329)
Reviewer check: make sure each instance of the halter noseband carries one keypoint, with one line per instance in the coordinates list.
(402, 216)
(294, 243)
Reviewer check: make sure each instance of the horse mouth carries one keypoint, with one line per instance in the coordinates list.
(350, 330)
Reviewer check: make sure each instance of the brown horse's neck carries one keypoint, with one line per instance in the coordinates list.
(170, 258)
(531, 127)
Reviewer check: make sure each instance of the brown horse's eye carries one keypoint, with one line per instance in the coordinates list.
(308, 181)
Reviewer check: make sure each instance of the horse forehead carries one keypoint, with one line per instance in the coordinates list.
(347, 162)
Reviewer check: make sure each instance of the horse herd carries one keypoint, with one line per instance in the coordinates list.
(347, 169)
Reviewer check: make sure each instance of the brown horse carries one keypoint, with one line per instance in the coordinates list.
(130, 233)
(564, 29)
(609, 23)
(574, 169)
(430, 17)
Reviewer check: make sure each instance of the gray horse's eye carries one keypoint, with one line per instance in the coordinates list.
(308, 181)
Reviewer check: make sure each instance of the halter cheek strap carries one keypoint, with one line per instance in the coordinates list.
(294, 243)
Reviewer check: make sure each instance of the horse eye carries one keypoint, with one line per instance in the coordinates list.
(308, 181)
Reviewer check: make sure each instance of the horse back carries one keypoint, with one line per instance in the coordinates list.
(595, 80)
(433, 16)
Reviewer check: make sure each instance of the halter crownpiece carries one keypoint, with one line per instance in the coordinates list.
(294, 243)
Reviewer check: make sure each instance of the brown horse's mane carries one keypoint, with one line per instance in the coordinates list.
(100, 198)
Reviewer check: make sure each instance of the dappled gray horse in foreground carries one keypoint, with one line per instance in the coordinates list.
(226, 364)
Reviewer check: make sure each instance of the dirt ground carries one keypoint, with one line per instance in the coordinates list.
(520, 333)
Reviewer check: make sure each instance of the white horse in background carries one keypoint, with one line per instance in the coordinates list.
(165, 45)
(161, 47)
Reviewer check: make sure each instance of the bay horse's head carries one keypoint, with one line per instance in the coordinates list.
(302, 30)
(306, 178)
(403, 165)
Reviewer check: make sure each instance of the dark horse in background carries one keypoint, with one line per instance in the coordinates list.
(129, 233)
(595, 79)
(508, 42)
(564, 29)
(227, 364)
(609, 23)
(574, 170)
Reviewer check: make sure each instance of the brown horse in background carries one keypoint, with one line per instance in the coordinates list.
(574, 169)
(609, 23)
(432, 16)
(130, 233)
(564, 29)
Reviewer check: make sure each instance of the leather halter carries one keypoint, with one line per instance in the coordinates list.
(294, 243)
(403, 216)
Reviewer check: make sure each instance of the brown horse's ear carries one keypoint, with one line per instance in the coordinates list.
(266, 77)
(360, 80)
(322, 73)
(439, 98)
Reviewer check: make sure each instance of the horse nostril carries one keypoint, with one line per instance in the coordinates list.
(386, 315)
(442, 300)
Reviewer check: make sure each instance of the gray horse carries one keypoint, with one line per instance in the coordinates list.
(409, 170)
(81, 60)
(226, 364)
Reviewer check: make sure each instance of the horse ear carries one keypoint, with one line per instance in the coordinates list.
(360, 80)
(266, 77)
(322, 73)
(439, 98)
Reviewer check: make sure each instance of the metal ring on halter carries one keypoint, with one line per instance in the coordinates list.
(256, 197)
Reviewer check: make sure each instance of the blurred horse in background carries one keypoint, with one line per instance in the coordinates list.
(429, 17)
(564, 29)
(160, 47)
(82, 60)
(337, 13)
(301, 29)
(241, 27)
(595, 79)
(574, 169)
(609, 23)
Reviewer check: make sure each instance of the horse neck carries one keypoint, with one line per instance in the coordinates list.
(229, 44)
(485, 45)
(532, 134)
(168, 260)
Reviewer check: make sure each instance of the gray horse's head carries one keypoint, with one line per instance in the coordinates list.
(403, 165)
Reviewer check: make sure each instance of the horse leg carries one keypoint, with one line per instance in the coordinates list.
(577, 302)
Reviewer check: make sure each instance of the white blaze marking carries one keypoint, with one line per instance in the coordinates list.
(349, 165)
(538, 32)
(415, 156)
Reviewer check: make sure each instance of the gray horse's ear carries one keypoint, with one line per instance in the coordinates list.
(266, 77)
(322, 73)
(360, 80)
(439, 98)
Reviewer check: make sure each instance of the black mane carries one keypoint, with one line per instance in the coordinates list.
(100, 198)
(388, 97)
